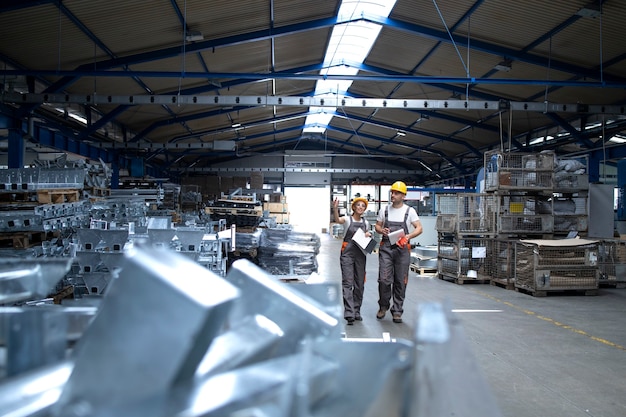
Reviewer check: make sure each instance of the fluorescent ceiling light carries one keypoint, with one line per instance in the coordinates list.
(401, 133)
(348, 47)
(504, 66)
(194, 35)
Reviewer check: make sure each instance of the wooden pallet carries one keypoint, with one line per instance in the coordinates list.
(544, 293)
(503, 283)
(97, 192)
(612, 283)
(22, 240)
(422, 270)
(57, 196)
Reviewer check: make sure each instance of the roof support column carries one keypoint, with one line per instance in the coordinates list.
(16, 149)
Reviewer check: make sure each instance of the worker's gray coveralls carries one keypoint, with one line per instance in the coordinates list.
(352, 261)
(393, 272)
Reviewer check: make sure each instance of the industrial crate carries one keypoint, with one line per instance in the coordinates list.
(462, 260)
(571, 174)
(524, 214)
(543, 266)
(570, 214)
(467, 214)
(612, 263)
(500, 262)
(519, 171)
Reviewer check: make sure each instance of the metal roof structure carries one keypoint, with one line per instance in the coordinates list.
(188, 85)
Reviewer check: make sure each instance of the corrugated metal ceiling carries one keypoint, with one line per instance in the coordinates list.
(264, 48)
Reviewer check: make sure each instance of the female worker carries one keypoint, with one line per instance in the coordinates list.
(352, 259)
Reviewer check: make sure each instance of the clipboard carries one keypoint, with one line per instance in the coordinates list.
(366, 244)
(395, 236)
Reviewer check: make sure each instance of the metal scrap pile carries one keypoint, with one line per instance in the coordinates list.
(283, 251)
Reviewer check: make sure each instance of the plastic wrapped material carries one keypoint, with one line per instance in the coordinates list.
(286, 252)
(248, 242)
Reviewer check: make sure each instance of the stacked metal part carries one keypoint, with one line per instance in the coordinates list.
(170, 338)
(283, 251)
(39, 200)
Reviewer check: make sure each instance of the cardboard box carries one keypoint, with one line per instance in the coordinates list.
(281, 218)
(276, 207)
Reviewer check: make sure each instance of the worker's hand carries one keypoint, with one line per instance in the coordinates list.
(335, 203)
(402, 241)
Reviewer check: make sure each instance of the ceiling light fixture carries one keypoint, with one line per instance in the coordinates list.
(194, 35)
(504, 66)
(235, 125)
(591, 10)
(401, 133)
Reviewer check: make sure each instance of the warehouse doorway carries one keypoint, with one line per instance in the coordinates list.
(309, 208)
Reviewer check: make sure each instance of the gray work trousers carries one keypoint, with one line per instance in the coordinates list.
(393, 275)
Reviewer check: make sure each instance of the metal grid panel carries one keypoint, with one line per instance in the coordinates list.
(571, 174)
(524, 214)
(549, 268)
(500, 264)
(467, 213)
(612, 261)
(457, 257)
(570, 214)
(519, 171)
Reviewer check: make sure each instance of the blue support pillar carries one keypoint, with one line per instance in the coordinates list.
(16, 149)
(594, 167)
(115, 173)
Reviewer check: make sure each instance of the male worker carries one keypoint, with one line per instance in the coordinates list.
(394, 258)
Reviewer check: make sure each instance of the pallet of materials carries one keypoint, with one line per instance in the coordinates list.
(563, 265)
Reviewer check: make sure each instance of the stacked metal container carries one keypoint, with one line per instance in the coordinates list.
(542, 266)
(465, 224)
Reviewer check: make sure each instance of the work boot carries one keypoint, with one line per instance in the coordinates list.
(381, 313)
(397, 318)
(350, 321)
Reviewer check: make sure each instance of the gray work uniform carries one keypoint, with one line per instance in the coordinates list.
(352, 261)
(393, 270)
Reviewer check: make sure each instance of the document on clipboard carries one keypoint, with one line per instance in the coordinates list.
(395, 236)
(367, 244)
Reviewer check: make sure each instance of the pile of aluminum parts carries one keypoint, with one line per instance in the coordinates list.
(44, 217)
(119, 211)
(283, 251)
(424, 257)
(244, 211)
(201, 246)
(99, 255)
(194, 344)
(33, 179)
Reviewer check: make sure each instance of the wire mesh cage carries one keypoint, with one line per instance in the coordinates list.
(612, 262)
(570, 214)
(519, 171)
(571, 174)
(500, 261)
(558, 265)
(467, 213)
(462, 259)
(525, 214)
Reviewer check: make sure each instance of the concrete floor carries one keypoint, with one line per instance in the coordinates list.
(554, 356)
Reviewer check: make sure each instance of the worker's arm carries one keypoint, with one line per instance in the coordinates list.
(417, 230)
(380, 229)
(338, 219)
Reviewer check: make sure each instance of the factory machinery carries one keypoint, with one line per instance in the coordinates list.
(171, 338)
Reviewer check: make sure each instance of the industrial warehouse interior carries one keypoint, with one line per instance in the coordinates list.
(170, 171)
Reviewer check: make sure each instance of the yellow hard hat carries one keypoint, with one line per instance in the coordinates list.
(357, 199)
(399, 186)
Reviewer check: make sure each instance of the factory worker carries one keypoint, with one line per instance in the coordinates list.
(398, 223)
(352, 259)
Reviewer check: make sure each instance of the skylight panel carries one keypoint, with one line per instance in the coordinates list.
(348, 47)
